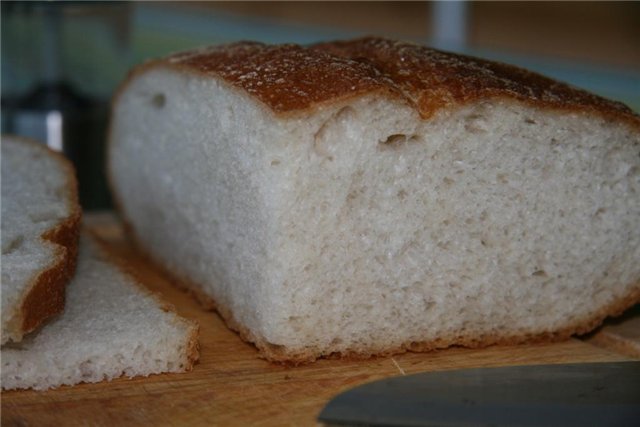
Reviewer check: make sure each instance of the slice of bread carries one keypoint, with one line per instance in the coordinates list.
(40, 223)
(111, 326)
(371, 196)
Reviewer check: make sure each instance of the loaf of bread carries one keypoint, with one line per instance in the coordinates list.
(40, 223)
(111, 326)
(371, 196)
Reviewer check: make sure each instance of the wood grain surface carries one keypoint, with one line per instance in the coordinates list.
(231, 385)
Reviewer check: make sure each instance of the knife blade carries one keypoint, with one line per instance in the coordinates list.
(582, 394)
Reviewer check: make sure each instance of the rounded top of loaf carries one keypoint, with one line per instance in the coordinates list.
(291, 78)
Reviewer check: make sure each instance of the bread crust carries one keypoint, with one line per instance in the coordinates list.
(44, 296)
(290, 79)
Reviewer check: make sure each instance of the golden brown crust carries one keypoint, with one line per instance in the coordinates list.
(287, 77)
(291, 79)
(432, 79)
(44, 297)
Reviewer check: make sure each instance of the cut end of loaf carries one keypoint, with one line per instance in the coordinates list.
(362, 227)
(299, 356)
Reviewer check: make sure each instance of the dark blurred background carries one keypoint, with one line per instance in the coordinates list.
(61, 61)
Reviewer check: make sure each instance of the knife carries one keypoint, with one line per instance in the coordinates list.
(582, 394)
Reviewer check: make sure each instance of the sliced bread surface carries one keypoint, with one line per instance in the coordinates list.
(40, 223)
(372, 196)
(111, 326)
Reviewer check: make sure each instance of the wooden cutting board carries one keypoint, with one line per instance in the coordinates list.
(231, 385)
